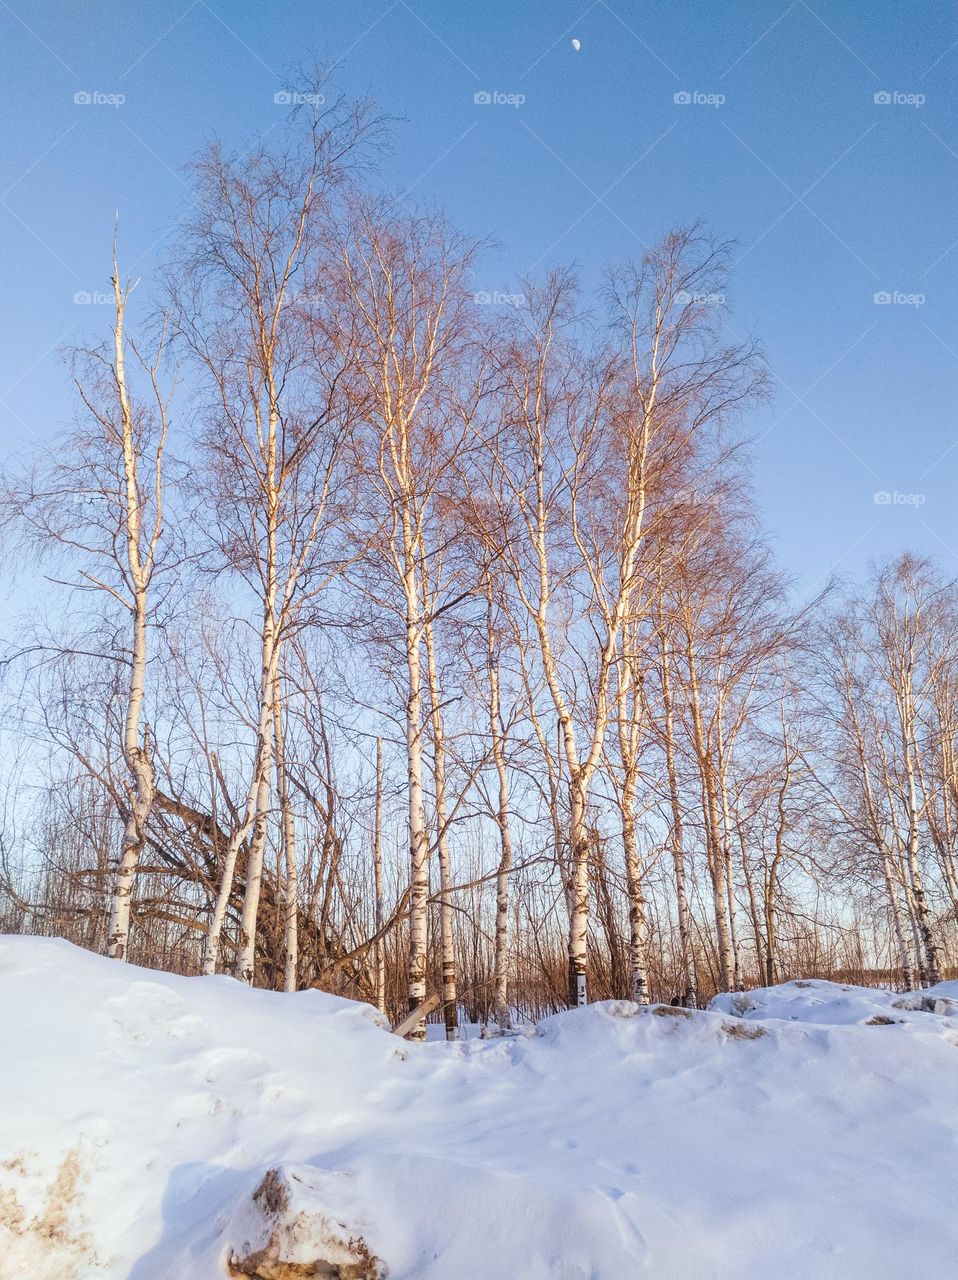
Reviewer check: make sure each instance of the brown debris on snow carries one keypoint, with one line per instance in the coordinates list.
(289, 1233)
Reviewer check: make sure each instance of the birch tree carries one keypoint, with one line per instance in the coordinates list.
(253, 310)
(142, 527)
(503, 811)
(676, 827)
(729, 625)
(856, 779)
(98, 499)
(584, 420)
(403, 283)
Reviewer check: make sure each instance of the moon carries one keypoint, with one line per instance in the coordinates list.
(577, 45)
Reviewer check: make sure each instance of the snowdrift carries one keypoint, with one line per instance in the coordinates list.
(148, 1122)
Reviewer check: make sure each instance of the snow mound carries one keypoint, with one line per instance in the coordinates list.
(821, 1003)
(803, 1132)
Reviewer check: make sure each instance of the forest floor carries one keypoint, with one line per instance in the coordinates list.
(804, 1132)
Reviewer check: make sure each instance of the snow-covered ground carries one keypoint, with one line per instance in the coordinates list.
(805, 1132)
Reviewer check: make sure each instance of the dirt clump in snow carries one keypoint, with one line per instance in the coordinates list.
(286, 1231)
(743, 1030)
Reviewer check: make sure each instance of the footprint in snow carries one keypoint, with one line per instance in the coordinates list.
(229, 1066)
(200, 1107)
(145, 994)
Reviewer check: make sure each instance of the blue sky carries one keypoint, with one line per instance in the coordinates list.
(833, 197)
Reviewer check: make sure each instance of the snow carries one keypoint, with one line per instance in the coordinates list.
(793, 1132)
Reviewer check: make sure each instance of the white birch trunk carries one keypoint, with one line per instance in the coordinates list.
(418, 842)
(578, 895)
(245, 967)
(136, 754)
(677, 838)
(500, 964)
(931, 974)
(716, 853)
(633, 875)
(139, 565)
(909, 975)
(290, 889)
(211, 952)
(446, 933)
(380, 955)
(628, 714)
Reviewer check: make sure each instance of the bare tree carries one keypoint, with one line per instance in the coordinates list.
(252, 309)
(572, 476)
(98, 499)
(403, 287)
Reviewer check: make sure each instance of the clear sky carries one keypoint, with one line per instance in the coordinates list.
(833, 197)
